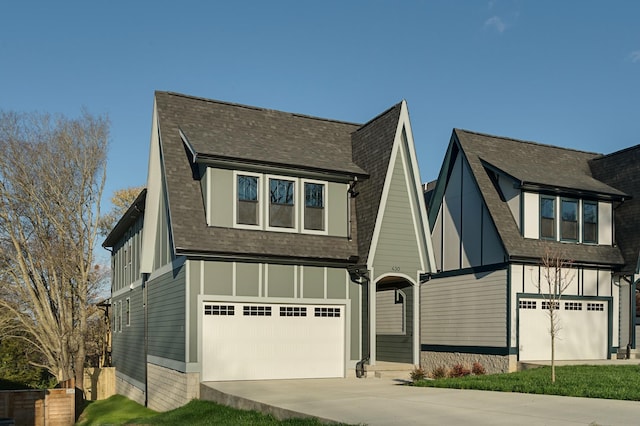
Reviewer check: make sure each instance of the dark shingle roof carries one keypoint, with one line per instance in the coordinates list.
(372, 145)
(225, 130)
(220, 129)
(545, 165)
(622, 170)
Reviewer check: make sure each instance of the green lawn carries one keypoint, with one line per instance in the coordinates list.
(591, 381)
(119, 410)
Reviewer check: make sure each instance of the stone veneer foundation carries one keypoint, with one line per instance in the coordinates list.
(169, 389)
(492, 363)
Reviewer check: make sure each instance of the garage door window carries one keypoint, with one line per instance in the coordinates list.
(256, 311)
(527, 304)
(547, 305)
(595, 307)
(293, 311)
(218, 310)
(572, 306)
(327, 312)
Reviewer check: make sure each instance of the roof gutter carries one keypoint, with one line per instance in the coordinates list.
(240, 257)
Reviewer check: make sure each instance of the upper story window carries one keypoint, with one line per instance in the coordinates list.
(569, 220)
(314, 208)
(282, 212)
(248, 209)
(590, 222)
(547, 217)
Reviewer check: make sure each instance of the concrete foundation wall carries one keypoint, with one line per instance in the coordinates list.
(170, 389)
(132, 392)
(492, 363)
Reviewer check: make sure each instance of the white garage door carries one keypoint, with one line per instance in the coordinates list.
(252, 341)
(583, 330)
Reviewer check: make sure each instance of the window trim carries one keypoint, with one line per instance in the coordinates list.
(593, 203)
(236, 174)
(325, 207)
(127, 311)
(120, 316)
(267, 203)
(555, 222)
(577, 221)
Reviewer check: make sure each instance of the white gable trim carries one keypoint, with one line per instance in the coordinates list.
(152, 204)
(416, 188)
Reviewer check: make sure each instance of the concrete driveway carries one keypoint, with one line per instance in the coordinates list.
(386, 402)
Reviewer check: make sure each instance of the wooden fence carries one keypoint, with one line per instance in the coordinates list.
(99, 383)
(50, 407)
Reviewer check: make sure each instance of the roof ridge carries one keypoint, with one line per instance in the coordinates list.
(621, 151)
(383, 113)
(255, 108)
(527, 142)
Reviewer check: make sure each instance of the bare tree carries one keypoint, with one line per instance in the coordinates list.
(556, 276)
(52, 173)
(121, 200)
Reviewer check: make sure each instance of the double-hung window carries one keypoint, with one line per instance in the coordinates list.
(547, 217)
(282, 212)
(247, 208)
(569, 220)
(589, 222)
(314, 206)
(128, 312)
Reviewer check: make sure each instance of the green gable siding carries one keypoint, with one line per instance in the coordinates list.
(337, 205)
(397, 248)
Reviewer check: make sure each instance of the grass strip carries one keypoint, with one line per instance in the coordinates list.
(590, 381)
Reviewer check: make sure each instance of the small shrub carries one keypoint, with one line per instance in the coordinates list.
(439, 373)
(459, 370)
(478, 369)
(418, 374)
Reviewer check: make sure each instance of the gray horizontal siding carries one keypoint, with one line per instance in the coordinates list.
(167, 315)
(394, 347)
(128, 344)
(466, 310)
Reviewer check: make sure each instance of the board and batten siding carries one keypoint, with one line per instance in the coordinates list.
(464, 234)
(163, 253)
(465, 310)
(128, 343)
(397, 246)
(166, 315)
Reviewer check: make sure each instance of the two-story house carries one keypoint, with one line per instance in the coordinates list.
(267, 245)
(498, 207)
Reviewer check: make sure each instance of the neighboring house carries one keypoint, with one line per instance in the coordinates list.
(267, 245)
(498, 206)
(621, 170)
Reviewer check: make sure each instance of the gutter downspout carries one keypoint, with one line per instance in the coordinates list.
(145, 277)
(360, 275)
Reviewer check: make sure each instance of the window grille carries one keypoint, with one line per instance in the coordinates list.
(219, 310)
(256, 311)
(293, 311)
(327, 312)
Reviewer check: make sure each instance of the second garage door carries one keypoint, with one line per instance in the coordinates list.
(583, 334)
(253, 341)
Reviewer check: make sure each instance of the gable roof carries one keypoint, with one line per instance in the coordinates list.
(227, 131)
(135, 210)
(622, 170)
(534, 165)
(372, 146)
(290, 141)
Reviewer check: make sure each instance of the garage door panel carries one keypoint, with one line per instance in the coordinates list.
(274, 341)
(582, 330)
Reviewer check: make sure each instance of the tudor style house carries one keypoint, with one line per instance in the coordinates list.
(267, 245)
(499, 205)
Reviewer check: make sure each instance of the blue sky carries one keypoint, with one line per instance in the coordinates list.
(558, 72)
